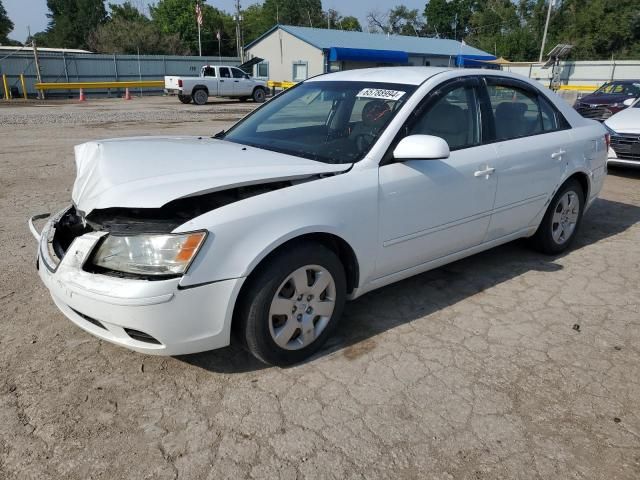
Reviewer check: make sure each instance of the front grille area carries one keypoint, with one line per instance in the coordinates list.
(596, 112)
(626, 146)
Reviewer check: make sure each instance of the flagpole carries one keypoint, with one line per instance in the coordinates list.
(199, 23)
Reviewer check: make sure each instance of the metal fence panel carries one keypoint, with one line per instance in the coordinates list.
(90, 67)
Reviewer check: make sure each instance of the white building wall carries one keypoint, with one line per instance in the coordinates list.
(281, 50)
(588, 73)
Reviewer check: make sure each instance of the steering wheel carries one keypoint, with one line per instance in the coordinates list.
(363, 140)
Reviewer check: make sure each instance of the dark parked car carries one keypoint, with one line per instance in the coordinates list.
(610, 98)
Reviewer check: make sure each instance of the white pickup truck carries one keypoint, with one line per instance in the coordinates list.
(216, 81)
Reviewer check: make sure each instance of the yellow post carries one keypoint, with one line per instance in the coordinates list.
(6, 88)
(24, 88)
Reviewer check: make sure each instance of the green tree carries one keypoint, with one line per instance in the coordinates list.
(129, 31)
(350, 23)
(72, 21)
(335, 21)
(399, 20)
(178, 17)
(294, 12)
(6, 25)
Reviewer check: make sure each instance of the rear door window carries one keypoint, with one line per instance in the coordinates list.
(521, 111)
(225, 73)
(515, 110)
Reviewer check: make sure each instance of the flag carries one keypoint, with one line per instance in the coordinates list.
(198, 13)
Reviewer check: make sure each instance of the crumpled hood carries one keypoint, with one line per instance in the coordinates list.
(148, 172)
(625, 121)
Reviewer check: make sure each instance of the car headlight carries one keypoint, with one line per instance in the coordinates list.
(169, 254)
(609, 129)
(618, 105)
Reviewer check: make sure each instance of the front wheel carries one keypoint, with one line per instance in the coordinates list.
(561, 221)
(184, 98)
(292, 304)
(259, 95)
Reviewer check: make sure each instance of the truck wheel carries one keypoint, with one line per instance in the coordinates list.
(200, 97)
(259, 95)
(184, 98)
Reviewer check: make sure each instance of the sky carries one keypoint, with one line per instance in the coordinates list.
(32, 13)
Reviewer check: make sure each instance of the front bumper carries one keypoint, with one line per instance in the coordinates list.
(154, 317)
(626, 158)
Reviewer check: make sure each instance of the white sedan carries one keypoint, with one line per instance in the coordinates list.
(624, 128)
(343, 184)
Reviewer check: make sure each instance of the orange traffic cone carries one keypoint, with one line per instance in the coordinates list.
(127, 94)
(82, 97)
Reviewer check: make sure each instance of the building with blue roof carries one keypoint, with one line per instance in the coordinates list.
(296, 53)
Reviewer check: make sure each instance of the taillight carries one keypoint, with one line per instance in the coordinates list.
(607, 140)
(180, 82)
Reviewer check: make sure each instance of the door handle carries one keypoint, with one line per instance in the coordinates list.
(221, 81)
(558, 154)
(484, 173)
(236, 81)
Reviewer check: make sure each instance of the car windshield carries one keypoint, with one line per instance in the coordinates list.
(614, 88)
(331, 122)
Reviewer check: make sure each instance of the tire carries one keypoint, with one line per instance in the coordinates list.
(561, 221)
(279, 319)
(184, 98)
(200, 96)
(259, 95)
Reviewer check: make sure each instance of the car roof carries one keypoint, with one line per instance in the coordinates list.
(404, 75)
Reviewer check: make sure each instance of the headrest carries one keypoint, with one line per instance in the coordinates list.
(511, 109)
(446, 118)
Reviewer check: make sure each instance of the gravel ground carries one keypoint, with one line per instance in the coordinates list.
(157, 109)
(506, 365)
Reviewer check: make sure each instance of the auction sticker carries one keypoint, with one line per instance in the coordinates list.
(381, 93)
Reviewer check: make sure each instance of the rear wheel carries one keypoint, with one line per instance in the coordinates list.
(259, 95)
(561, 221)
(184, 98)
(292, 304)
(200, 97)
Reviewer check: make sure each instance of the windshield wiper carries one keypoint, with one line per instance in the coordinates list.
(220, 134)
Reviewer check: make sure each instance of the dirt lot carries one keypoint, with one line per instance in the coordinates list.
(505, 365)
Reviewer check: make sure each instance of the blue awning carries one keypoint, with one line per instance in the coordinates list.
(472, 61)
(366, 55)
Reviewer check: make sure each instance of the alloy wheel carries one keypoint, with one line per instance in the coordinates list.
(302, 307)
(565, 217)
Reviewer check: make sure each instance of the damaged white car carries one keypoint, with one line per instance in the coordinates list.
(345, 183)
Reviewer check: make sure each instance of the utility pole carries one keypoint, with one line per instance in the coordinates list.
(546, 27)
(36, 60)
(238, 19)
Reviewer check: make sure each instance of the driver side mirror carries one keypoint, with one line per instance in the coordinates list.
(247, 76)
(421, 147)
(629, 101)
